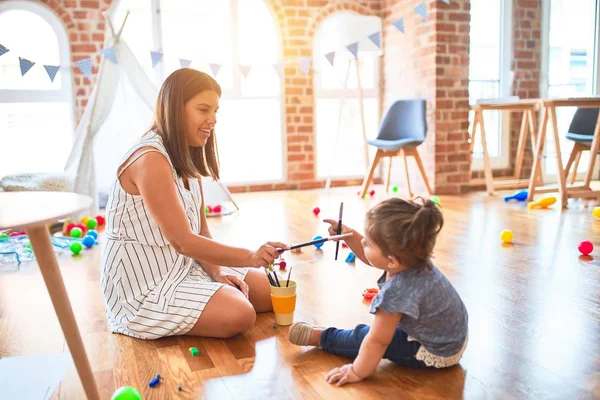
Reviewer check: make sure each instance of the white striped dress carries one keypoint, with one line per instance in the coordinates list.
(150, 290)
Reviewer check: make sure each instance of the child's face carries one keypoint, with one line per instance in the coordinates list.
(374, 254)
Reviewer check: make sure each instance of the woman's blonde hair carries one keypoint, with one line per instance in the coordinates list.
(169, 123)
(405, 229)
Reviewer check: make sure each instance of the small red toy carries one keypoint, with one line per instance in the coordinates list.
(282, 265)
(316, 210)
(100, 220)
(585, 247)
(368, 294)
(210, 209)
(372, 192)
(217, 209)
(344, 245)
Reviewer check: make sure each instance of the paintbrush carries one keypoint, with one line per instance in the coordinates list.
(317, 241)
(339, 230)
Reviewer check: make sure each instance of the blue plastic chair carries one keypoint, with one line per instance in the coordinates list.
(581, 132)
(402, 130)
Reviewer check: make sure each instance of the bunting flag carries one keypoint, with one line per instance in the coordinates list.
(156, 57)
(376, 39)
(304, 63)
(85, 66)
(183, 63)
(215, 69)
(3, 50)
(421, 9)
(353, 48)
(399, 24)
(279, 69)
(51, 70)
(244, 69)
(330, 56)
(110, 53)
(25, 65)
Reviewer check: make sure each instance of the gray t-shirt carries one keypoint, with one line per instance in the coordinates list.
(433, 312)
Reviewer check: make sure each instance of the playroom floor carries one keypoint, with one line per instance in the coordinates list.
(534, 306)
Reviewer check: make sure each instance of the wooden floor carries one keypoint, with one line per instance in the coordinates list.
(534, 307)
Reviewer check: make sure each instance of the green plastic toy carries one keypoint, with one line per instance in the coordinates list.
(126, 393)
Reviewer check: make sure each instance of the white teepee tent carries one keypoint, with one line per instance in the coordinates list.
(117, 113)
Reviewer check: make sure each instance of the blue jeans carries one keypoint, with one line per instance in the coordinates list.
(346, 342)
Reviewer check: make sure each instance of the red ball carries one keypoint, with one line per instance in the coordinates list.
(316, 210)
(69, 227)
(217, 209)
(371, 193)
(344, 245)
(210, 209)
(585, 247)
(12, 234)
(100, 220)
(282, 264)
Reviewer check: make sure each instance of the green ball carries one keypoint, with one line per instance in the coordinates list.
(126, 393)
(435, 199)
(4, 237)
(206, 210)
(91, 223)
(395, 189)
(76, 232)
(76, 247)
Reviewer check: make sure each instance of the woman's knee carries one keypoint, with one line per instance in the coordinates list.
(235, 313)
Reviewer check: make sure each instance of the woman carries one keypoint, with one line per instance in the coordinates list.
(161, 273)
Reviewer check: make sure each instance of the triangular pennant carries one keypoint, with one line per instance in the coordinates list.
(244, 69)
(353, 48)
(3, 50)
(376, 39)
(215, 69)
(110, 53)
(183, 63)
(25, 65)
(421, 9)
(156, 57)
(279, 69)
(51, 70)
(85, 66)
(330, 56)
(304, 63)
(399, 24)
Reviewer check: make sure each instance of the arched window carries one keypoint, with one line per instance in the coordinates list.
(227, 33)
(337, 93)
(36, 113)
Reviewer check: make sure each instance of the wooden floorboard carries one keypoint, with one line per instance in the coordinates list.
(534, 306)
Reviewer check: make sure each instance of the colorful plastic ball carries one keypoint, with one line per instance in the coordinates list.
(93, 234)
(91, 223)
(506, 236)
(316, 211)
(82, 227)
(69, 227)
(126, 393)
(435, 199)
(596, 212)
(84, 220)
(88, 241)
(76, 247)
(344, 245)
(217, 209)
(4, 237)
(318, 245)
(76, 232)
(206, 210)
(210, 209)
(372, 193)
(13, 234)
(101, 220)
(282, 265)
(586, 247)
(395, 189)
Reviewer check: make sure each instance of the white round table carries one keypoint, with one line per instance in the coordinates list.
(33, 211)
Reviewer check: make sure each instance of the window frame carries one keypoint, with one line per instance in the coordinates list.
(65, 93)
(502, 161)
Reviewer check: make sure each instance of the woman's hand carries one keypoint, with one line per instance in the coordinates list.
(232, 280)
(333, 228)
(266, 254)
(342, 375)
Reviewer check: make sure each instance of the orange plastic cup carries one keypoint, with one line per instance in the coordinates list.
(284, 302)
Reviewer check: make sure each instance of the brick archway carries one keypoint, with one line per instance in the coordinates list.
(332, 8)
(64, 16)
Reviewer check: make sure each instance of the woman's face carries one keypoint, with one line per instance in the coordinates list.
(201, 117)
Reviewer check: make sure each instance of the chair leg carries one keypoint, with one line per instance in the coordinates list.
(389, 174)
(415, 153)
(574, 176)
(410, 193)
(367, 181)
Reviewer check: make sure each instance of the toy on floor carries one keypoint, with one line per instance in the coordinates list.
(126, 393)
(506, 236)
(154, 381)
(520, 195)
(586, 247)
(596, 212)
(542, 203)
(351, 258)
(316, 211)
(369, 294)
(194, 351)
(395, 189)
(372, 192)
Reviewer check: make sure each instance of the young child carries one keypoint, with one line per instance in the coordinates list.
(420, 320)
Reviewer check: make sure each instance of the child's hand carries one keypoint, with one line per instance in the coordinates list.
(333, 226)
(342, 375)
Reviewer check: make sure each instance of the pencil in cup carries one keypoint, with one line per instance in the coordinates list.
(283, 299)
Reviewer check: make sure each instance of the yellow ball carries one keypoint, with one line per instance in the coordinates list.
(596, 212)
(84, 220)
(506, 236)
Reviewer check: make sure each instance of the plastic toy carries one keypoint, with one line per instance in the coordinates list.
(217, 209)
(586, 247)
(282, 264)
(595, 213)
(93, 234)
(91, 223)
(194, 351)
(368, 294)
(372, 193)
(126, 393)
(179, 388)
(318, 245)
(520, 195)
(436, 200)
(542, 203)
(154, 381)
(88, 241)
(76, 232)
(506, 236)
(101, 220)
(76, 247)
(344, 245)
(316, 211)
(395, 189)
(351, 258)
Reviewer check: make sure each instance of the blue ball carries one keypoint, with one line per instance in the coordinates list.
(92, 233)
(318, 245)
(88, 241)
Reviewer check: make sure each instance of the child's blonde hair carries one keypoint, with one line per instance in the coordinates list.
(405, 229)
